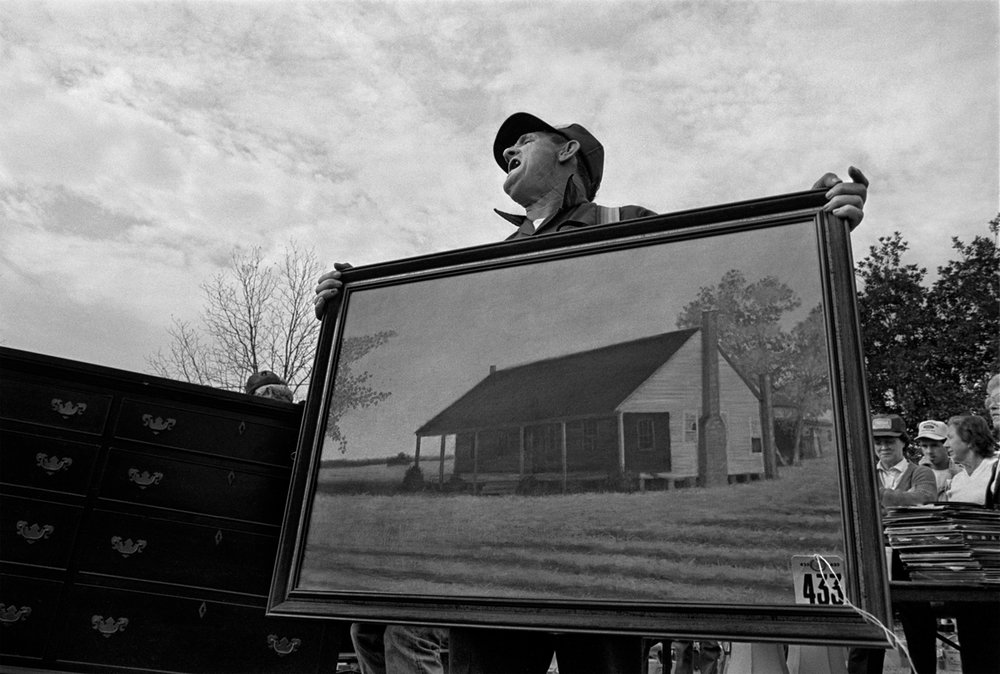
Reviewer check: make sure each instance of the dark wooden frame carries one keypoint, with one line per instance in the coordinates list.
(867, 578)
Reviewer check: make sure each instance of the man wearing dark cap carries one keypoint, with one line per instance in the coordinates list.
(554, 173)
(267, 384)
(902, 482)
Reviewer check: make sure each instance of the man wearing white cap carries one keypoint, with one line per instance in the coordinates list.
(930, 439)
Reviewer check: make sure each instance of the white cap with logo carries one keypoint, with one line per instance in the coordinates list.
(932, 430)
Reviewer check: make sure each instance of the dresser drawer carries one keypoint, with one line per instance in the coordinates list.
(103, 626)
(27, 607)
(55, 405)
(168, 551)
(245, 438)
(216, 489)
(37, 532)
(46, 463)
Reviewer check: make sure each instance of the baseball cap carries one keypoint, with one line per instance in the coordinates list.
(591, 151)
(890, 425)
(262, 378)
(932, 430)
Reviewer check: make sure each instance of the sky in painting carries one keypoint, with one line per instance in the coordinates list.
(141, 142)
(428, 361)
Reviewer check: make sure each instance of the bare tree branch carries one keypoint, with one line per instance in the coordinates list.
(257, 315)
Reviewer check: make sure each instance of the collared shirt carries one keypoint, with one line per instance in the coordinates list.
(971, 488)
(890, 476)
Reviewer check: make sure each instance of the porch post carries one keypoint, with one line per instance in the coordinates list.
(565, 466)
(621, 441)
(475, 461)
(521, 449)
(441, 462)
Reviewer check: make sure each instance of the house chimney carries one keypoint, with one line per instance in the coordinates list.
(713, 464)
(493, 369)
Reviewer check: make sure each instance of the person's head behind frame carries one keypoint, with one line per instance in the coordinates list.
(267, 384)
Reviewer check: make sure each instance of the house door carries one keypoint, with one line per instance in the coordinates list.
(543, 448)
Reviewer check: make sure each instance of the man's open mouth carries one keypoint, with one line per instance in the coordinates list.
(514, 163)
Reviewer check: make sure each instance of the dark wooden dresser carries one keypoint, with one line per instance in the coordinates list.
(139, 521)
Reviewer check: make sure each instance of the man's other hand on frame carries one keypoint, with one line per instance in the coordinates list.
(846, 200)
(329, 286)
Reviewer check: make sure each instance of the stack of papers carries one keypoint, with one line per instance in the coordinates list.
(946, 542)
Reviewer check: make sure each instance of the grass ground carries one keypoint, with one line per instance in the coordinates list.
(722, 545)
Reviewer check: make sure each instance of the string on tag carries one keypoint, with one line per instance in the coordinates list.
(891, 637)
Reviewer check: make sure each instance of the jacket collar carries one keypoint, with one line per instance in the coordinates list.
(571, 199)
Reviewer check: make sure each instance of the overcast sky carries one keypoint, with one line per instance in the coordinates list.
(140, 142)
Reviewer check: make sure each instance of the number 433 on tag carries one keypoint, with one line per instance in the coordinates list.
(818, 583)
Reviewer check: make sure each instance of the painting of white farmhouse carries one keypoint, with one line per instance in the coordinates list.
(631, 408)
(650, 423)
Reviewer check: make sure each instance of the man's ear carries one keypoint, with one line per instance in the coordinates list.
(568, 150)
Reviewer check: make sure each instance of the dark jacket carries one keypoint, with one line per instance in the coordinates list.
(916, 485)
(576, 212)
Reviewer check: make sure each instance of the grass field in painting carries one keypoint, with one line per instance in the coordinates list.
(721, 545)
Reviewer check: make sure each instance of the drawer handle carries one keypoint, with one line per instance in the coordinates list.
(145, 478)
(127, 547)
(283, 646)
(11, 614)
(108, 626)
(34, 532)
(68, 408)
(158, 424)
(53, 464)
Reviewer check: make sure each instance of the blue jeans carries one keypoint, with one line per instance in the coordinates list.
(399, 649)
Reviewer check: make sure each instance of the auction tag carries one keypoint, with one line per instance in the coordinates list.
(818, 583)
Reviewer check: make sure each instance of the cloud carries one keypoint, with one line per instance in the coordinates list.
(139, 142)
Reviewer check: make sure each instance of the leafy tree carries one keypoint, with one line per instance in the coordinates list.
(965, 301)
(929, 351)
(258, 315)
(805, 381)
(749, 317)
(895, 324)
(751, 334)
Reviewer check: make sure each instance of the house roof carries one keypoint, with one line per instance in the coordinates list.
(580, 384)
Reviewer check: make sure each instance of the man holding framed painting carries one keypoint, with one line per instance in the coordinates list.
(554, 173)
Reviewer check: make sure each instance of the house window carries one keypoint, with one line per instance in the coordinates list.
(756, 444)
(644, 434)
(690, 427)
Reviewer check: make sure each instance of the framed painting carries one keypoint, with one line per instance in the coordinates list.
(654, 427)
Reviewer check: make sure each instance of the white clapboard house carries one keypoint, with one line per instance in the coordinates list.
(664, 410)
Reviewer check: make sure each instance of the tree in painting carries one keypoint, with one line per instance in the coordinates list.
(352, 389)
(751, 332)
